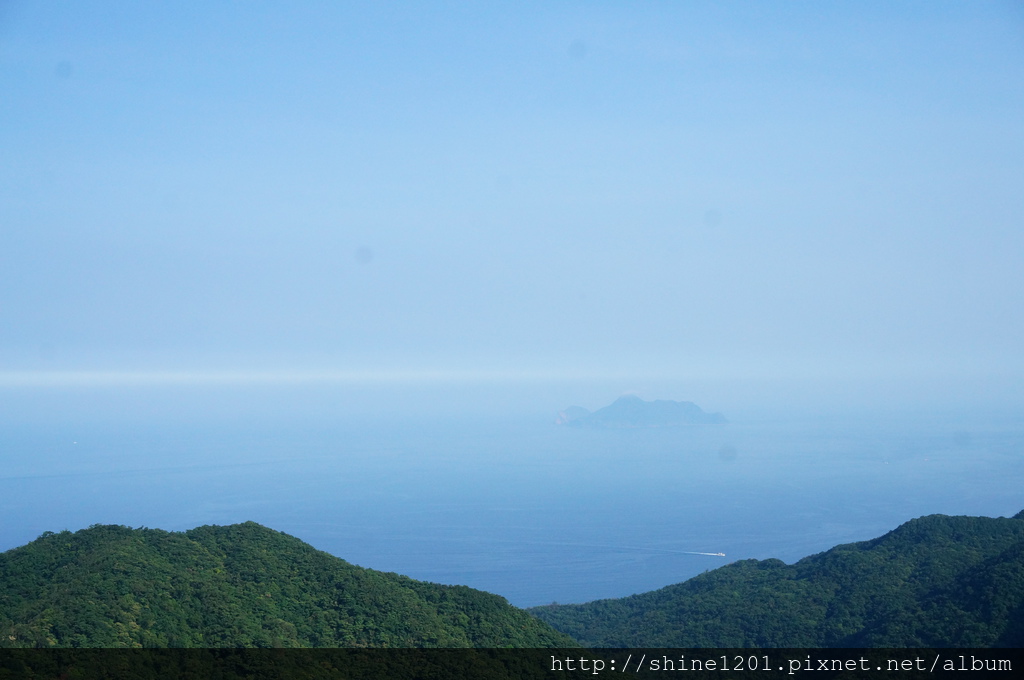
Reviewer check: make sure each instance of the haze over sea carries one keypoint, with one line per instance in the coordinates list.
(483, 489)
(335, 267)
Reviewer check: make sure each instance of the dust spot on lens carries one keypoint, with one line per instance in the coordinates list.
(713, 218)
(64, 70)
(364, 255)
(961, 438)
(577, 49)
(727, 453)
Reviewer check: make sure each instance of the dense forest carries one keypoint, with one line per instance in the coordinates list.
(234, 586)
(936, 581)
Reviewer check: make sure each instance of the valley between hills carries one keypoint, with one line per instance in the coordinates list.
(935, 581)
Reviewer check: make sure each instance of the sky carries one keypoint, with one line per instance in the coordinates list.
(215, 191)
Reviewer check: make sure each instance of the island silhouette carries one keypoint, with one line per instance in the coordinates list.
(630, 411)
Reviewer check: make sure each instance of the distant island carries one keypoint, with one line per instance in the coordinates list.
(631, 411)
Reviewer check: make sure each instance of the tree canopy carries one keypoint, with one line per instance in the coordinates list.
(234, 586)
(936, 581)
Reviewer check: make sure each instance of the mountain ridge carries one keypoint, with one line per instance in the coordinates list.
(934, 581)
(937, 581)
(242, 585)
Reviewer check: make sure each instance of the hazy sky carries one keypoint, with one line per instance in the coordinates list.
(518, 188)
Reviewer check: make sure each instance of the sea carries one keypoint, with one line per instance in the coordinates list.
(501, 499)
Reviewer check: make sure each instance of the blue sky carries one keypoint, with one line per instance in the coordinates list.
(512, 189)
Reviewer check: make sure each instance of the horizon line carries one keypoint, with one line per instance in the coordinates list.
(119, 378)
(392, 376)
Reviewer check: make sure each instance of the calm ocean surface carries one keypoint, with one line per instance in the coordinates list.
(514, 505)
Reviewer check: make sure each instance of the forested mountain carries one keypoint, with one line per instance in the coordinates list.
(935, 581)
(234, 586)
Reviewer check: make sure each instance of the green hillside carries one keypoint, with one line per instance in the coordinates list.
(234, 586)
(936, 581)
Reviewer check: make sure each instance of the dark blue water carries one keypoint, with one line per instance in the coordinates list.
(515, 505)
